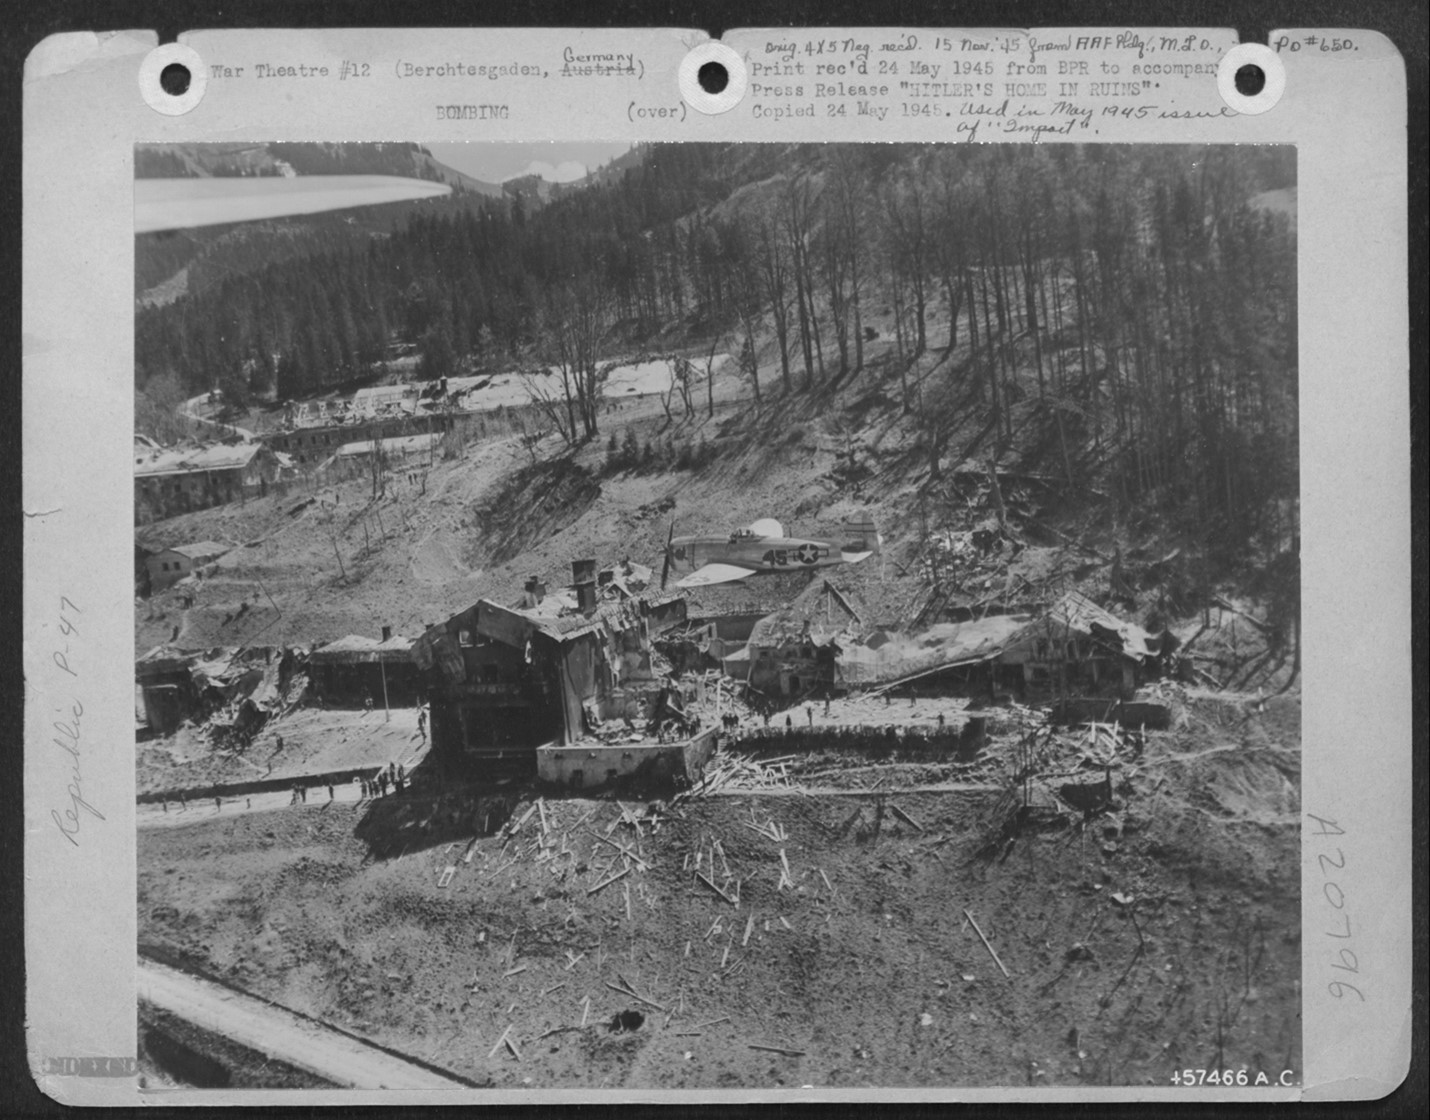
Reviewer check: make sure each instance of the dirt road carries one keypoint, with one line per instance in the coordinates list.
(173, 814)
(280, 1034)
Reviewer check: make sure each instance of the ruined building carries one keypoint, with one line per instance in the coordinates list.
(505, 681)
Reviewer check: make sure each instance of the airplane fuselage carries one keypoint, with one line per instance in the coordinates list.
(759, 554)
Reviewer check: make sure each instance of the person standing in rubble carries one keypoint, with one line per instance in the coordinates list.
(422, 722)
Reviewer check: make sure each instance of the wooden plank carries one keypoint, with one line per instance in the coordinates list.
(986, 945)
(749, 929)
(492, 1053)
(711, 884)
(903, 816)
(630, 855)
(608, 881)
(786, 1050)
(634, 996)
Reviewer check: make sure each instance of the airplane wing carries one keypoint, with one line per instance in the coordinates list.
(713, 573)
(161, 204)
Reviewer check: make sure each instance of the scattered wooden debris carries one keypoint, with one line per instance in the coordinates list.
(630, 855)
(634, 995)
(903, 816)
(513, 971)
(786, 1050)
(986, 945)
(606, 882)
(749, 929)
(585, 1010)
(447, 873)
(502, 1042)
(711, 884)
(512, 829)
(786, 879)
(553, 988)
(735, 772)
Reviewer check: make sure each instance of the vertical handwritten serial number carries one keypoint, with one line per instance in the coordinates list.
(67, 733)
(1344, 958)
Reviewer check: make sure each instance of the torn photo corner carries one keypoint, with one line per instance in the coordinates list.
(821, 565)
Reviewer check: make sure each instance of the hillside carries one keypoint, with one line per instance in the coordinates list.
(1091, 351)
(1161, 936)
(478, 520)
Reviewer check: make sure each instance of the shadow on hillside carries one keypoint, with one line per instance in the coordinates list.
(429, 811)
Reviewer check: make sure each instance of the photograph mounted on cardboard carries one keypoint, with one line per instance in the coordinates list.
(729, 615)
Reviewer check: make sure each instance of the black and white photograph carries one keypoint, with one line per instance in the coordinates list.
(694, 616)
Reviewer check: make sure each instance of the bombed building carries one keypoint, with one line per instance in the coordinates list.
(553, 671)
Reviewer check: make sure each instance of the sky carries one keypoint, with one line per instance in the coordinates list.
(557, 162)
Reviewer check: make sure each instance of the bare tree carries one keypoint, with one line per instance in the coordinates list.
(906, 226)
(772, 260)
(575, 319)
(798, 228)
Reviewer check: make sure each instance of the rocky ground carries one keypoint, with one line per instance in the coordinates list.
(834, 945)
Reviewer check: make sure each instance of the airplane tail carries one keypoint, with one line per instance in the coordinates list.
(861, 539)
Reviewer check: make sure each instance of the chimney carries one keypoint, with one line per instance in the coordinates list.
(583, 576)
(387, 633)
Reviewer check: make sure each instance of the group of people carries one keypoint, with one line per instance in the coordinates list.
(392, 777)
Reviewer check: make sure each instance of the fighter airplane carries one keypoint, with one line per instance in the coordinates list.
(760, 548)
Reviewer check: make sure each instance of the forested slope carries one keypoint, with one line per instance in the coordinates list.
(1141, 297)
